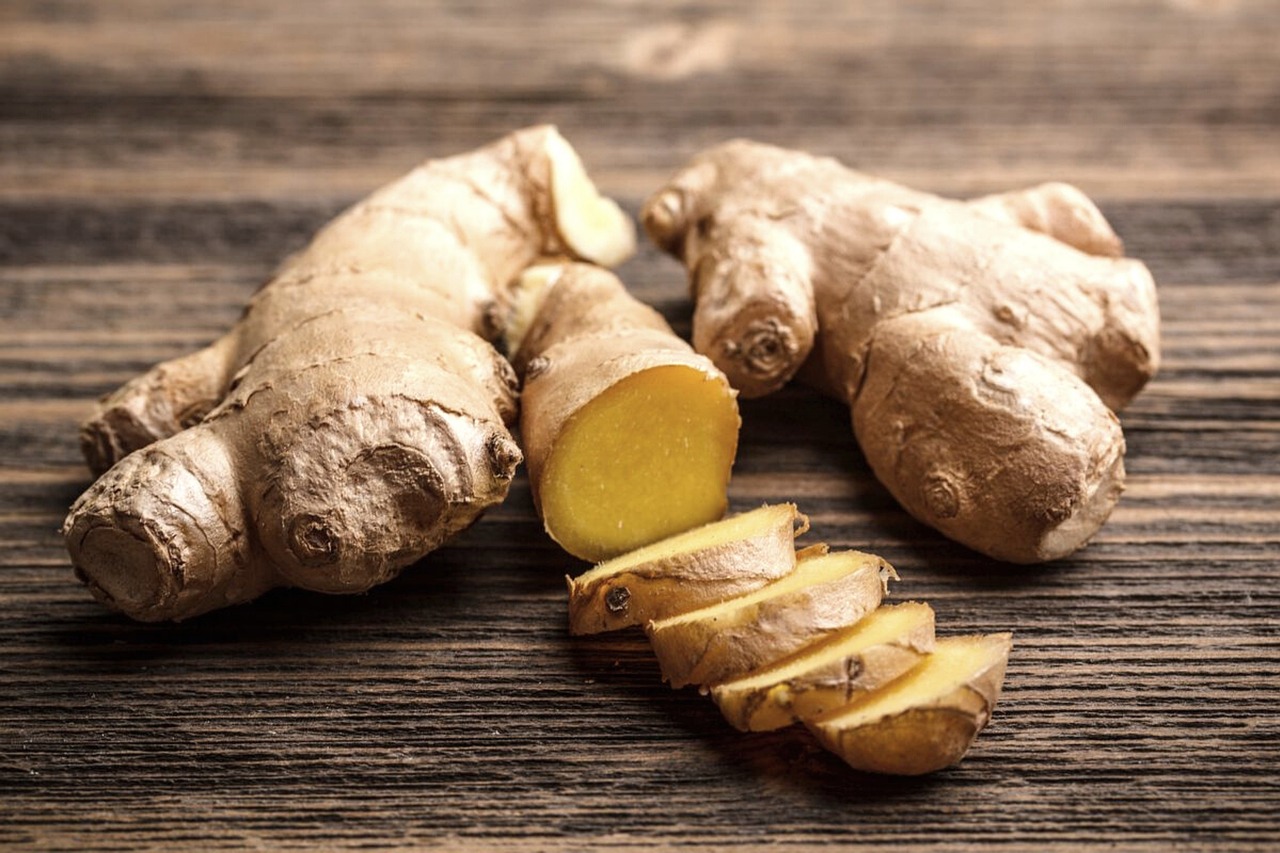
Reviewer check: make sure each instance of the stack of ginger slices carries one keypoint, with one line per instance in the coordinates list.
(779, 636)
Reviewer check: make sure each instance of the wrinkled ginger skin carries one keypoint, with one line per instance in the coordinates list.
(356, 416)
(982, 346)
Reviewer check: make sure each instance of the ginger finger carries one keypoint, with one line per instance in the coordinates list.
(1059, 210)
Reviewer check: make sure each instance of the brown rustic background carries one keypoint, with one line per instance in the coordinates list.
(156, 158)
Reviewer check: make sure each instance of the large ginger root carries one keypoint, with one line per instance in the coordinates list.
(355, 417)
(981, 345)
(629, 434)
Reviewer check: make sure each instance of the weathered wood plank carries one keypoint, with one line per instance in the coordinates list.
(213, 99)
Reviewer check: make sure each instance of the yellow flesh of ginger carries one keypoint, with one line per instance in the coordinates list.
(809, 571)
(954, 662)
(733, 529)
(646, 459)
(882, 626)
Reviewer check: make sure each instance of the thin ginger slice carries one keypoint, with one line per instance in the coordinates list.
(832, 672)
(689, 570)
(928, 718)
(825, 592)
(645, 459)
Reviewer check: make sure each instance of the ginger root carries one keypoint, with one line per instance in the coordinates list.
(982, 346)
(356, 416)
(812, 645)
(629, 435)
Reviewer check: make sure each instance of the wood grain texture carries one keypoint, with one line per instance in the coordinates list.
(158, 158)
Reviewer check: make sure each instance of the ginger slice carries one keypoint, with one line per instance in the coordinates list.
(687, 571)
(928, 718)
(829, 674)
(826, 592)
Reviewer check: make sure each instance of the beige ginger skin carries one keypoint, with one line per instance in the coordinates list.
(982, 346)
(356, 417)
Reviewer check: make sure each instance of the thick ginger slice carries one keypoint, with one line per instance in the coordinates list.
(981, 346)
(825, 592)
(629, 435)
(832, 672)
(928, 718)
(701, 566)
(357, 416)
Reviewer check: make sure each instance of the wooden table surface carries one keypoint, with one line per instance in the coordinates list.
(157, 158)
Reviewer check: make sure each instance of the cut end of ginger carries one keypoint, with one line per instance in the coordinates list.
(527, 294)
(928, 718)
(648, 458)
(832, 672)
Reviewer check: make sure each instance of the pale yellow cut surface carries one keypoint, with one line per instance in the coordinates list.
(731, 529)
(720, 642)
(883, 625)
(954, 663)
(648, 458)
(830, 672)
(527, 295)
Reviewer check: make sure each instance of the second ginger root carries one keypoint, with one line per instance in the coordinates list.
(982, 346)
